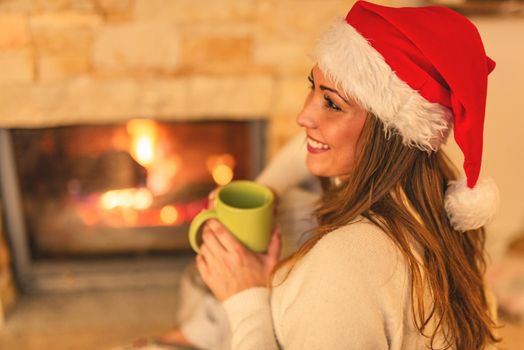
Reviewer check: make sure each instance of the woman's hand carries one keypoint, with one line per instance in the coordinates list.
(211, 197)
(228, 267)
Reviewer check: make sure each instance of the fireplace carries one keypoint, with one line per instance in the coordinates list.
(99, 203)
(71, 65)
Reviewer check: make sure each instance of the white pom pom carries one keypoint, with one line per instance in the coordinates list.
(471, 208)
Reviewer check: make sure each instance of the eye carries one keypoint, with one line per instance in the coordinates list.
(311, 82)
(331, 105)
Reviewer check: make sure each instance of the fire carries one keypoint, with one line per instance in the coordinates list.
(111, 200)
(169, 214)
(161, 174)
(137, 198)
(222, 174)
(142, 199)
(144, 150)
(143, 134)
(221, 168)
(155, 202)
(130, 217)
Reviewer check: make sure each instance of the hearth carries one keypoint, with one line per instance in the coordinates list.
(106, 205)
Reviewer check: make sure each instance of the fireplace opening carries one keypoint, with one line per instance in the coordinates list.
(121, 191)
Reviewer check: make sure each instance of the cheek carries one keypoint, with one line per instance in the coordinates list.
(346, 157)
(346, 146)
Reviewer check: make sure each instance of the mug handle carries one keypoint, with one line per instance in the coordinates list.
(197, 222)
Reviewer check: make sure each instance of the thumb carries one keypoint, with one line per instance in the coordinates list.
(211, 197)
(273, 250)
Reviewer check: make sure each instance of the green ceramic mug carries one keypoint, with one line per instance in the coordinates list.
(246, 209)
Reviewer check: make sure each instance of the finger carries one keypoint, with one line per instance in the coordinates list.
(202, 267)
(215, 247)
(224, 236)
(207, 254)
(211, 198)
(275, 245)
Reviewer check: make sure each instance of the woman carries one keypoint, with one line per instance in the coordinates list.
(397, 259)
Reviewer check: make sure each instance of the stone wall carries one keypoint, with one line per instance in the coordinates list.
(92, 61)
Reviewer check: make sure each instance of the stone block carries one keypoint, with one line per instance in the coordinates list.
(290, 94)
(245, 97)
(281, 129)
(63, 54)
(163, 98)
(14, 32)
(29, 105)
(63, 5)
(63, 43)
(98, 101)
(116, 10)
(283, 57)
(191, 11)
(15, 101)
(298, 19)
(287, 31)
(140, 46)
(38, 6)
(15, 6)
(17, 66)
(64, 20)
(62, 67)
(81, 100)
(218, 49)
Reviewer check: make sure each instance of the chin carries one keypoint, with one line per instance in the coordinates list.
(317, 169)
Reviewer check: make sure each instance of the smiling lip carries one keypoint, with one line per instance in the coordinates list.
(315, 146)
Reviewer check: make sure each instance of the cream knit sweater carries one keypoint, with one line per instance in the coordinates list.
(350, 291)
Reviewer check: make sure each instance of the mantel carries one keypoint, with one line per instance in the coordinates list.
(98, 101)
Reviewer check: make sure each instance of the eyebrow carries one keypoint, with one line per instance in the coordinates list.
(324, 88)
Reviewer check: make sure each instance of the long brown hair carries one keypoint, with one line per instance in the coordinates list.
(401, 190)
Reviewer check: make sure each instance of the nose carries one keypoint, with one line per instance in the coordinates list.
(305, 118)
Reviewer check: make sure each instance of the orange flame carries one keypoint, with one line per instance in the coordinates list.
(221, 168)
(169, 214)
(143, 134)
(139, 199)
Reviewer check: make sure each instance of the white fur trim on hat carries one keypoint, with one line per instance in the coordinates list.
(347, 59)
(471, 208)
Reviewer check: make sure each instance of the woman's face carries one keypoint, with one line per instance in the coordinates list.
(333, 123)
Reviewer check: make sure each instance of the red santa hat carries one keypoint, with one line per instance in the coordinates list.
(421, 71)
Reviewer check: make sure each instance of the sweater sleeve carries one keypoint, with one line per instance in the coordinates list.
(287, 168)
(250, 320)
